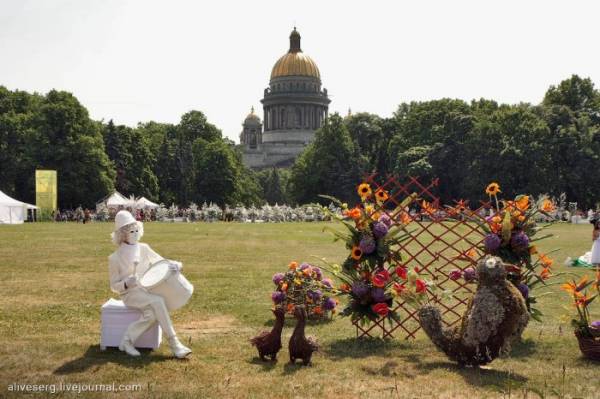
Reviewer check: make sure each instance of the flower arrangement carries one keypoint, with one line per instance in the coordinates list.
(373, 266)
(586, 331)
(510, 233)
(304, 285)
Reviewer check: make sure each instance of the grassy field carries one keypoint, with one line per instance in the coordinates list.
(55, 278)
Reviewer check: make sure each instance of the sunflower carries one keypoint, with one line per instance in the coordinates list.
(364, 190)
(356, 252)
(381, 196)
(493, 189)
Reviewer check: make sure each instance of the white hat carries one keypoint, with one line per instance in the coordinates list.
(123, 218)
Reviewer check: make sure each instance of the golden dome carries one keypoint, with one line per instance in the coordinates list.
(252, 116)
(295, 62)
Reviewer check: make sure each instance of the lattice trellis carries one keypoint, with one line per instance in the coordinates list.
(441, 239)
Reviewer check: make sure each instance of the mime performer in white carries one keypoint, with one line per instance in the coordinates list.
(126, 265)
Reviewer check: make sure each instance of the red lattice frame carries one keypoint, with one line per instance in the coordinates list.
(435, 246)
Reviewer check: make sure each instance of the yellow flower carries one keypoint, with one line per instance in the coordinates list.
(297, 281)
(369, 209)
(364, 190)
(493, 189)
(381, 195)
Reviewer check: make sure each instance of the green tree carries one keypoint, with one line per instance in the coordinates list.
(327, 166)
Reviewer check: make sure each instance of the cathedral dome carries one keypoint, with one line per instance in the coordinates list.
(295, 62)
(252, 117)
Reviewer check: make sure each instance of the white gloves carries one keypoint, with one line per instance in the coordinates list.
(175, 266)
(131, 282)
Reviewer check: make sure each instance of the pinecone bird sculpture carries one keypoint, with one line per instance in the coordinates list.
(300, 346)
(268, 343)
(495, 316)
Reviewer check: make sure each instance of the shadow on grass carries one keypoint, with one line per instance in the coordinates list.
(94, 358)
(484, 377)
(265, 365)
(291, 368)
(361, 347)
(291, 322)
(524, 348)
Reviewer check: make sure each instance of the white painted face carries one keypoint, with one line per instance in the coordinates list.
(132, 233)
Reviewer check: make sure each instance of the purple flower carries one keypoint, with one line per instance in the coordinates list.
(318, 273)
(492, 242)
(455, 274)
(360, 289)
(595, 324)
(314, 295)
(278, 278)
(385, 219)
(329, 304)
(327, 282)
(378, 294)
(380, 229)
(367, 245)
(470, 274)
(278, 296)
(519, 240)
(304, 266)
(524, 289)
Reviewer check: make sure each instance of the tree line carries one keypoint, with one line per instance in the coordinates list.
(551, 147)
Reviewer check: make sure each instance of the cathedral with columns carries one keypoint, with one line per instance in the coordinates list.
(294, 107)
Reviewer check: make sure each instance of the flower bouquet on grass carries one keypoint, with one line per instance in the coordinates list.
(587, 333)
(304, 285)
(510, 234)
(373, 264)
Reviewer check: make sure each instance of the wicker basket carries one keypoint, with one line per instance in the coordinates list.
(590, 347)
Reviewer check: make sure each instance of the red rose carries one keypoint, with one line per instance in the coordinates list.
(421, 286)
(402, 272)
(381, 309)
(380, 278)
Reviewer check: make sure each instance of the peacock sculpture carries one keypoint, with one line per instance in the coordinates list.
(495, 316)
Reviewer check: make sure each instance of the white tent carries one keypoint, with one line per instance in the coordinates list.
(116, 200)
(145, 203)
(13, 211)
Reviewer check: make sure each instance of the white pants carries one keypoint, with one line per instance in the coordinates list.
(153, 310)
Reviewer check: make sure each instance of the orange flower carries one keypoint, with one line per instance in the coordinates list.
(364, 190)
(353, 213)
(381, 196)
(405, 218)
(318, 310)
(522, 203)
(548, 206)
(545, 274)
(428, 208)
(546, 261)
(344, 287)
(575, 288)
(471, 253)
(493, 189)
(356, 252)
(497, 219)
(293, 265)
(291, 308)
(284, 287)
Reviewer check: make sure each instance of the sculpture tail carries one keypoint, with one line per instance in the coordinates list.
(431, 322)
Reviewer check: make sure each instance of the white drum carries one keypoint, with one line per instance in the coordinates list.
(175, 289)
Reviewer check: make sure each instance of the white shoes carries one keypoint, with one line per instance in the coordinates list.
(127, 346)
(179, 350)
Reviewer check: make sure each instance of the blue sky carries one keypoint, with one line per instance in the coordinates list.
(137, 61)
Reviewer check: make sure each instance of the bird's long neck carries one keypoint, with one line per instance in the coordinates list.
(278, 326)
(299, 329)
